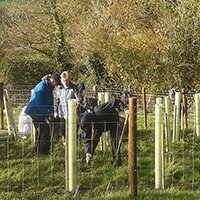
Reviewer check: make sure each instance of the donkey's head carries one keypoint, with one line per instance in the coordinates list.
(124, 96)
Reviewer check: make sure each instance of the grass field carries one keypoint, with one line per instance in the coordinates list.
(24, 175)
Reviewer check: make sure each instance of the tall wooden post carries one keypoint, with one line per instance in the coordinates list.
(1, 106)
(144, 107)
(132, 146)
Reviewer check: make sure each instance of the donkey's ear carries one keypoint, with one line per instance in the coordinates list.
(80, 86)
(125, 92)
(83, 85)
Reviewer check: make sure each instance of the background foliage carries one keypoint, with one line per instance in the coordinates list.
(108, 42)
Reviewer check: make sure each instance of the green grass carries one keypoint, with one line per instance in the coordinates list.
(26, 176)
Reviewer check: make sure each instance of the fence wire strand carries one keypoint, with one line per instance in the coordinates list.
(101, 170)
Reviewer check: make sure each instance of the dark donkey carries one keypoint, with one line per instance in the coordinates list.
(94, 120)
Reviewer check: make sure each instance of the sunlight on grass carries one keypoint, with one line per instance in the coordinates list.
(26, 175)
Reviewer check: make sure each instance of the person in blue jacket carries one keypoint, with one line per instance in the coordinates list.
(40, 108)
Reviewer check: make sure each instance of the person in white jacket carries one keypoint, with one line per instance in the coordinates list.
(64, 93)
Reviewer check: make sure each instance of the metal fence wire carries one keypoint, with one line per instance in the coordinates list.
(26, 173)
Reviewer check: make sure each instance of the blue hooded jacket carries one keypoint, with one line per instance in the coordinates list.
(41, 103)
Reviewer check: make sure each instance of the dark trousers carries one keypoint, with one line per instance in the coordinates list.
(42, 136)
(91, 138)
(93, 124)
(58, 127)
(62, 127)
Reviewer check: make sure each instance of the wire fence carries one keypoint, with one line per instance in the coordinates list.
(26, 173)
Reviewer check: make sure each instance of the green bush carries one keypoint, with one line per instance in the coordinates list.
(26, 70)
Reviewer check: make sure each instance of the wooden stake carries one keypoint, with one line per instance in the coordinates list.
(10, 116)
(1, 106)
(132, 146)
(144, 107)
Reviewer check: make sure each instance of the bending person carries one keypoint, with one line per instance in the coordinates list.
(96, 120)
(40, 108)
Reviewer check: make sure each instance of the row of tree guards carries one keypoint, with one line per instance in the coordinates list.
(163, 137)
(103, 97)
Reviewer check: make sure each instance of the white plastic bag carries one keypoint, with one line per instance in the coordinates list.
(25, 122)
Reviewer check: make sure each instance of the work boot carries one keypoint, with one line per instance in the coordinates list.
(88, 158)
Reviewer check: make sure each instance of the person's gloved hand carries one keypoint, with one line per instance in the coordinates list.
(50, 118)
(55, 114)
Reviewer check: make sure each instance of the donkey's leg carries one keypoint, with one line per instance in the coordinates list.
(95, 140)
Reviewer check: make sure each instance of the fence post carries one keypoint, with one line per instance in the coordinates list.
(174, 125)
(66, 155)
(158, 144)
(72, 145)
(184, 107)
(167, 126)
(101, 100)
(197, 114)
(12, 130)
(132, 145)
(94, 89)
(106, 136)
(129, 88)
(1, 105)
(178, 106)
(144, 107)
